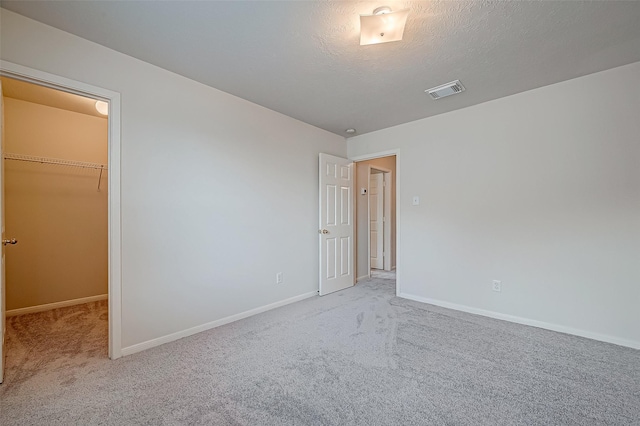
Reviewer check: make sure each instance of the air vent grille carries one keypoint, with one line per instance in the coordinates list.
(445, 90)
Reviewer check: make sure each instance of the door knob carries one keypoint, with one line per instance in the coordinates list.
(324, 231)
(11, 241)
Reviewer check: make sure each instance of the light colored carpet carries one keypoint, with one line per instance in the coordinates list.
(356, 357)
(381, 273)
(54, 345)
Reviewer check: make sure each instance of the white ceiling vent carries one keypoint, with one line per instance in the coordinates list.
(445, 90)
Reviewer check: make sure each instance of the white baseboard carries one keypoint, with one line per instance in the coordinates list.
(364, 277)
(526, 321)
(213, 324)
(49, 306)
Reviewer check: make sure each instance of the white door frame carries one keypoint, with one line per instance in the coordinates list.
(386, 225)
(388, 179)
(373, 156)
(19, 72)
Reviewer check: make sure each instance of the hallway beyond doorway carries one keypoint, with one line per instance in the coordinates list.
(385, 275)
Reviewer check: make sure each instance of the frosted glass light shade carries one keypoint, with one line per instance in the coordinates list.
(102, 107)
(382, 28)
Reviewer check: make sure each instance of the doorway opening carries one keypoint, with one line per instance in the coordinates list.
(376, 253)
(59, 209)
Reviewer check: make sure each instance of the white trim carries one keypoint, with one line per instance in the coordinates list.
(388, 178)
(364, 277)
(526, 321)
(386, 228)
(46, 79)
(388, 250)
(381, 154)
(213, 324)
(368, 221)
(381, 169)
(374, 155)
(55, 305)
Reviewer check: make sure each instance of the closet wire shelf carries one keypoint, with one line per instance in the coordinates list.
(58, 161)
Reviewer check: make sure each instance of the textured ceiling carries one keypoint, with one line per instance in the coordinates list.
(303, 58)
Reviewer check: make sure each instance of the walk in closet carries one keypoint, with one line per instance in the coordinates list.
(55, 183)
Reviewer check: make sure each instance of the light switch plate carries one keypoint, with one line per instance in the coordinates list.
(416, 200)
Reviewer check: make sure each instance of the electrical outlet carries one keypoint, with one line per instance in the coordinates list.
(497, 285)
(279, 278)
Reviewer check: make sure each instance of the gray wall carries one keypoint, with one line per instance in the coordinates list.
(540, 190)
(218, 194)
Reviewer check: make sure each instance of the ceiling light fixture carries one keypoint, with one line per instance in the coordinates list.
(382, 26)
(102, 107)
(350, 131)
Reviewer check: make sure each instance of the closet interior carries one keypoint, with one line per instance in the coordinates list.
(55, 182)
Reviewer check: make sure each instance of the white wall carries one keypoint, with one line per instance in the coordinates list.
(218, 194)
(540, 190)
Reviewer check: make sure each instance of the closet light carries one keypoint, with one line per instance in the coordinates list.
(382, 26)
(102, 107)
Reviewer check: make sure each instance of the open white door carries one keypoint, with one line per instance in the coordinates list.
(376, 217)
(3, 321)
(336, 224)
(387, 220)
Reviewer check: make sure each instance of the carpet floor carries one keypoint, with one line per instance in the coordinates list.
(53, 345)
(357, 357)
(379, 273)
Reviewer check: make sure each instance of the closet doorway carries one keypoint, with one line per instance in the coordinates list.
(56, 204)
(376, 218)
(380, 180)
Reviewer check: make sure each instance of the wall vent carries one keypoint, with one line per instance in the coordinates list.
(445, 90)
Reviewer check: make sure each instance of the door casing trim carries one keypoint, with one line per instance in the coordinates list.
(373, 156)
(41, 78)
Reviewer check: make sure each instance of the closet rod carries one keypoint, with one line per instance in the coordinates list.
(58, 161)
(45, 160)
